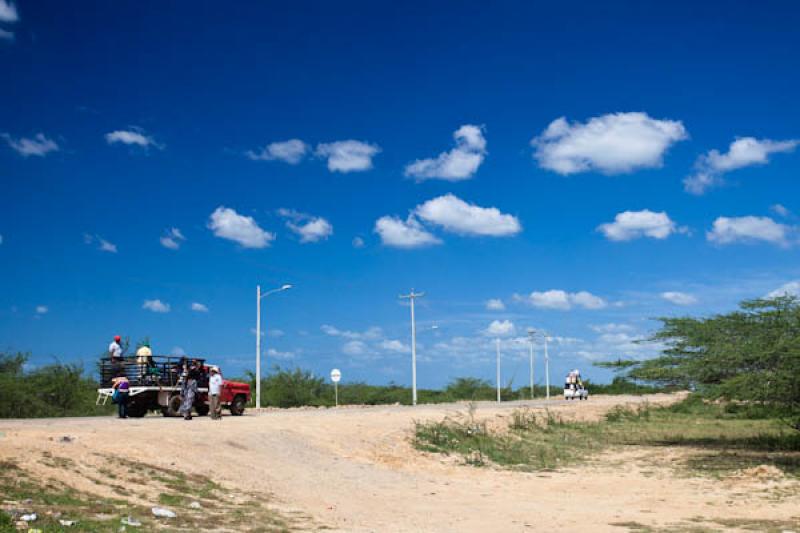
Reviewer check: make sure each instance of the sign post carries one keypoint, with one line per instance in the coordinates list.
(336, 375)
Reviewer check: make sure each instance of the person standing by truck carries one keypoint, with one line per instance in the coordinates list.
(121, 395)
(189, 391)
(214, 391)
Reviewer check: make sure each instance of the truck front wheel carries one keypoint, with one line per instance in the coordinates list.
(237, 405)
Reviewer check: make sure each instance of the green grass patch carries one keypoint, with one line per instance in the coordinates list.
(721, 439)
(220, 508)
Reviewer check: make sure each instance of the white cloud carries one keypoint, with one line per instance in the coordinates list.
(200, 308)
(133, 137)
(456, 215)
(177, 351)
(292, 151)
(458, 164)
(372, 333)
(780, 210)
(611, 328)
(358, 242)
(313, 230)
(39, 146)
(563, 301)
(495, 304)
(8, 11)
(679, 298)
(41, 309)
(348, 156)
(587, 300)
(392, 345)
(156, 306)
(309, 228)
(399, 234)
(277, 354)
(612, 144)
(500, 328)
(743, 152)
(102, 244)
(727, 230)
(228, 224)
(276, 333)
(791, 288)
(354, 348)
(630, 225)
(172, 239)
(106, 246)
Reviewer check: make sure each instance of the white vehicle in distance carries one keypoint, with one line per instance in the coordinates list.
(574, 391)
(574, 387)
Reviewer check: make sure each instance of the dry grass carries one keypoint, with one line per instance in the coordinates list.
(718, 442)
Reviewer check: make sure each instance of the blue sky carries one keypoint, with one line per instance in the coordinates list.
(577, 167)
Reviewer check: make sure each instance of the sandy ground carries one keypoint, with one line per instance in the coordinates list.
(353, 469)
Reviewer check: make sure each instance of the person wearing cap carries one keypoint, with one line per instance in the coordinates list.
(214, 391)
(115, 349)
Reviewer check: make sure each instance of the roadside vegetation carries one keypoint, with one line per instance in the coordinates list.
(720, 437)
(61, 389)
(297, 388)
(53, 390)
(743, 368)
(130, 491)
(751, 355)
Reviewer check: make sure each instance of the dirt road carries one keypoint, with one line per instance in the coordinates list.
(353, 469)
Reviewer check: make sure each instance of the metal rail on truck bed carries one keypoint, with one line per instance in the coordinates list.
(104, 394)
(153, 371)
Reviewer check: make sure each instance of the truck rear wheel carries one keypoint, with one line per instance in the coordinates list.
(237, 405)
(173, 407)
(136, 410)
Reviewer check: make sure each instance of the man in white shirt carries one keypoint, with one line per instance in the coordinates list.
(114, 349)
(214, 391)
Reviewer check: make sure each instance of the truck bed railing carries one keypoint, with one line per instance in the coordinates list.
(152, 371)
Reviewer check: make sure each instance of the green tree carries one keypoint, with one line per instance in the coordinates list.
(751, 355)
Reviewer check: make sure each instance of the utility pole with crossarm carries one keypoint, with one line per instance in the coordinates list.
(412, 296)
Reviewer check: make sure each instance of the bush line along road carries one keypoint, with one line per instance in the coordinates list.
(356, 469)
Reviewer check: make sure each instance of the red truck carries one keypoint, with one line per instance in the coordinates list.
(155, 385)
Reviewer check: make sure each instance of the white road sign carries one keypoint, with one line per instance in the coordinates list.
(336, 375)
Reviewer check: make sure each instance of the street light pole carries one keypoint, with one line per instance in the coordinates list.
(259, 296)
(497, 345)
(258, 346)
(531, 333)
(546, 366)
(412, 296)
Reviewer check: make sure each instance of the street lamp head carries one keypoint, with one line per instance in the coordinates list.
(286, 287)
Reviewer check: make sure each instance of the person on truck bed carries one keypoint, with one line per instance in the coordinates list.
(115, 349)
(144, 354)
